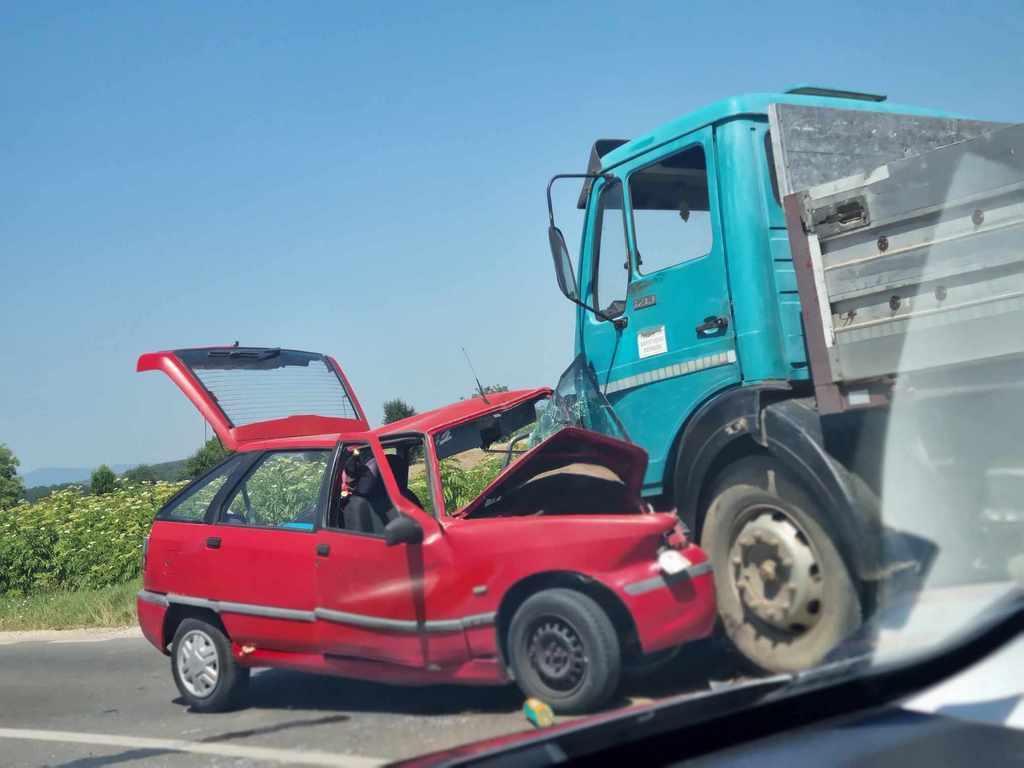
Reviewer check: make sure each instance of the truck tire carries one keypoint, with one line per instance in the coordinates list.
(564, 650)
(203, 668)
(785, 596)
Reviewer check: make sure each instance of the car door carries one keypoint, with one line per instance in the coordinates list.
(670, 344)
(376, 601)
(261, 550)
(177, 554)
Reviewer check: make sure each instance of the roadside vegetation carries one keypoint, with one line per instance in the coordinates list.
(70, 609)
(72, 557)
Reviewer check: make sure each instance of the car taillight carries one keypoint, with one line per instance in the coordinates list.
(145, 552)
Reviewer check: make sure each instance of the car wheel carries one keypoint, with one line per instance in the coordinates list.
(785, 595)
(564, 650)
(204, 670)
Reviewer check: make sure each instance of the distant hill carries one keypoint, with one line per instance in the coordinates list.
(42, 482)
(64, 475)
(170, 471)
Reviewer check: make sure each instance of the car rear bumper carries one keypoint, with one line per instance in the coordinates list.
(152, 609)
(670, 610)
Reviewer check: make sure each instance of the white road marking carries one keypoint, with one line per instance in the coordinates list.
(290, 756)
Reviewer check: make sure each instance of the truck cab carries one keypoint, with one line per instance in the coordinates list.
(685, 252)
(690, 315)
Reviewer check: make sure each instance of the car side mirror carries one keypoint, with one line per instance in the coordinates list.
(402, 530)
(564, 271)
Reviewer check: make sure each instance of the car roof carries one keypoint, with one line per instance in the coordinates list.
(462, 411)
(423, 423)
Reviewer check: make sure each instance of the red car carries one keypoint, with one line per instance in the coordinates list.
(324, 546)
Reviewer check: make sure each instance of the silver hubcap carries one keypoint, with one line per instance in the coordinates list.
(776, 572)
(198, 664)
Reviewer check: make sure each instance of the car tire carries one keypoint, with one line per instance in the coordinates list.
(785, 595)
(564, 650)
(203, 668)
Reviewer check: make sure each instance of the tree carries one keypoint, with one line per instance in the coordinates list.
(397, 409)
(103, 480)
(11, 487)
(206, 458)
(141, 474)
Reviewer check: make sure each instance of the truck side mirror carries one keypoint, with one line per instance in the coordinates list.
(564, 271)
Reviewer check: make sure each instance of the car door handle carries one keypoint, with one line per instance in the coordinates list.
(323, 550)
(213, 542)
(712, 325)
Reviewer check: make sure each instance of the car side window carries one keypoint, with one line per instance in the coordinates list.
(611, 259)
(362, 503)
(671, 210)
(281, 491)
(192, 505)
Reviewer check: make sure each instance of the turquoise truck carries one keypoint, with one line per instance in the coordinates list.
(758, 283)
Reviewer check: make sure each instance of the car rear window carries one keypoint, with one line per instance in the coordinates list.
(262, 385)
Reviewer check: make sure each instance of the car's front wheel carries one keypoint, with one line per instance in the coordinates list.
(564, 650)
(204, 671)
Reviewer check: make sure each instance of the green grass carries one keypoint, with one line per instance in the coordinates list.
(67, 609)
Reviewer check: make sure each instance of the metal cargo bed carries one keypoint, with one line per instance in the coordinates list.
(907, 235)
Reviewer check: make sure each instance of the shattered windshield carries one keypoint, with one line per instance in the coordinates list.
(577, 402)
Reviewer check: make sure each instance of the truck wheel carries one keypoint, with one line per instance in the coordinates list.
(785, 596)
(204, 670)
(564, 651)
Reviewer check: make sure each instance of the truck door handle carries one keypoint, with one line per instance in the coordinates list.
(213, 542)
(712, 325)
(323, 550)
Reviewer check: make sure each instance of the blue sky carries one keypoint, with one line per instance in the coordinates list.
(365, 180)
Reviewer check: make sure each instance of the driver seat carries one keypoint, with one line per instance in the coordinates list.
(369, 508)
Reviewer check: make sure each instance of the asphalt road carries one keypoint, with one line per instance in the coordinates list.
(91, 702)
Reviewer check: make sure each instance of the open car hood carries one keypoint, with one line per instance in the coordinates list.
(570, 445)
(258, 393)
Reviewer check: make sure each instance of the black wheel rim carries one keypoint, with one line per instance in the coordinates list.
(557, 654)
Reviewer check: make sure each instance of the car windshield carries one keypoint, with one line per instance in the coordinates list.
(681, 421)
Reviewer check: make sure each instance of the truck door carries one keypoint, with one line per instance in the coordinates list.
(657, 268)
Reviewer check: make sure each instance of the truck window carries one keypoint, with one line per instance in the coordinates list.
(611, 258)
(671, 216)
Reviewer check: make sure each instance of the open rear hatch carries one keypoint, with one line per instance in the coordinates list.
(258, 393)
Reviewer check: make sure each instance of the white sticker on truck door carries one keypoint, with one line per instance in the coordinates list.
(651, 341)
